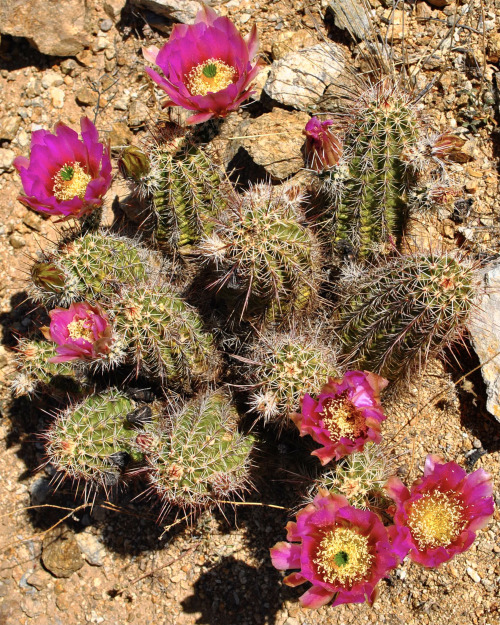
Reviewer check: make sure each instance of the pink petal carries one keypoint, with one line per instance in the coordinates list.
(285, 556)
(316, 597)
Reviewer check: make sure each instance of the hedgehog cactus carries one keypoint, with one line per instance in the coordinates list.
(202, 458)
(164, 335)
(392, 317)
(286, 367)
(94, 440)
(368, 185)
(185, 186)
(360, 478)
(89, 267)
(265, 259)
(35, 371)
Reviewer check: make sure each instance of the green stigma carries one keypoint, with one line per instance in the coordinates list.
(341, 558)
(67, 173)
(210, 70)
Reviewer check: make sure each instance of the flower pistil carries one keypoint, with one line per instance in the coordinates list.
(213, 75)
(343, 557)
(436, 519)
(71, 181)
(342, 418)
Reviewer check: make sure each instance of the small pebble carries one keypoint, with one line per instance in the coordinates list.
(106, 25)
(473, 574)
(17, 241)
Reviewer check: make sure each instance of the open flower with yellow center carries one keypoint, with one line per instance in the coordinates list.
(65, 175)
(441, 513)
(82, 332)
(341, 550)
(208, 66)
(346, 415)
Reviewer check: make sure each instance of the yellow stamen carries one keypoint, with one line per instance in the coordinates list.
(211, 76)
(436, 519)
(71, 181)
(342, 418)
(343, 557)
(81, 329)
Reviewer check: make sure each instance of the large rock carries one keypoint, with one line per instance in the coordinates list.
(179, 10)
(300, 79)
(275, 141)
(53, 27)
(61, 555)
(485, 332)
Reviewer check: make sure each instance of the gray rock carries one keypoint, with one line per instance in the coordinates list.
(60, 554)
(7, 157)
(138, 114)
(179, 10)
(39, 491)
(352, 16)
(484, 329)
(275, 140)
(58, 31)
(92, 549)
(300, 78)
(105, 25)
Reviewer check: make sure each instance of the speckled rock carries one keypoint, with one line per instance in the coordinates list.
(300, 78)
(275, 141)
(61, 555)
(180, 10)
(484, 330)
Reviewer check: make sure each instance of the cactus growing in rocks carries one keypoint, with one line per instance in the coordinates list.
(360, 478)
(183, 186)
(93, 441)
(89, 266)
(266, 261)
(390, 318)
(284, 367)
(163, 335)
(201, 458)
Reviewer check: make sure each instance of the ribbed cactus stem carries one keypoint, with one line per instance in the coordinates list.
(94, 441)
(203, 458)
(369, 184)
(391, 318)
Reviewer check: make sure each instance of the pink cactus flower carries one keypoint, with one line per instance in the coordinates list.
(341, 550)
(65, 175)
(82, 332)
(323, 147)
(345, 416)
(207, 66)
(441, 513)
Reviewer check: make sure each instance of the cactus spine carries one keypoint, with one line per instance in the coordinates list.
(390, 318)
(201, 458)
(89, 267)
(289, 366)
(265, 258)
(93, 441)
(369, 184)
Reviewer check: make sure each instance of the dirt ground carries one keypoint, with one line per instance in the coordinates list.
(217, 571)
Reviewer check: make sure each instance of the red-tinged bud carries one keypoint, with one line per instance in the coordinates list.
(323, 147)
(134, 163)
(448, 147)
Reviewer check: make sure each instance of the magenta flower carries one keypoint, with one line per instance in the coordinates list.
(345, 416)
(323, 147)
(341, 550)
(82, 332)
(440, 515)
(207, 66)
(65, 175)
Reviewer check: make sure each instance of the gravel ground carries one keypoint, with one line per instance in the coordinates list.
(121, 566)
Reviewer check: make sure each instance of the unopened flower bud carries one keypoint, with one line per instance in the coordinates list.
(323, 147)
(134, 163)
(48, 276)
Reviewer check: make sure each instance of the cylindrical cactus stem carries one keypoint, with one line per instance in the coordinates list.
(164, 335)
(359, 477)
(391, 318)
(94, 441)
(369, 184)
(88, 267)
(286, 367)
(202, 458)
(35, 373)
(266, 261)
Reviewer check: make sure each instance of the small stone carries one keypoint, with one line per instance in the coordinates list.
(68, 66)
(17, 241)
(92, 549)
(85, 58)
(106, 25)
(86, 97)
(9, 126)
(61, 555)
(122, 103)
(51, 79)
(120, 135)
(101, 43)
(57, 97)
(138, 114)
(39, 579)
(473, 574)
(7, 157)
(23, 138)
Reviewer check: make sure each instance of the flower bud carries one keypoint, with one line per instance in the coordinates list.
(134, 163)
(323, 147)
(48, 276)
